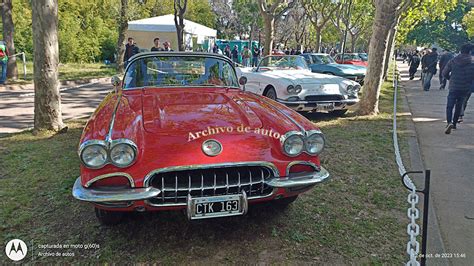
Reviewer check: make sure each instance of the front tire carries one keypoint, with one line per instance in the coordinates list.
(108, 217)
(270, 93)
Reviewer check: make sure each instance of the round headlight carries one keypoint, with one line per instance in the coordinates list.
(211, 147)
(350, 88)
(290, 89)
(94, 156)
(314, 143)
(122, 154)
(293, 145)
(298, 89)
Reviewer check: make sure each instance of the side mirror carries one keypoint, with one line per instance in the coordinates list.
(117, 83)
(243, 80)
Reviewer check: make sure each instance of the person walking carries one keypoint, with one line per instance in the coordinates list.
(246, 54)
(3, 62)
(215, 49)
(156, 47)
(235, 54)
(429, 68)
(460, 73)
(255, 56)
(414, 64)
(443, 61)
(130, 50)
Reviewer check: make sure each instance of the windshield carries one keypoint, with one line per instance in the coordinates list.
(179, 71)
(353, 57)
(364, 57)
(323, 59)
(283, 62)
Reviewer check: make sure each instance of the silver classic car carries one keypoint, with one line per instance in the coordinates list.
(288, 80)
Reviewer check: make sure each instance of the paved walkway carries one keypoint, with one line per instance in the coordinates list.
(451, 160)
(17, 107)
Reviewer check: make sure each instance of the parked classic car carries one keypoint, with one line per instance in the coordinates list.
(351, 59)
(325, 64)
(178, 133)
(288, 80)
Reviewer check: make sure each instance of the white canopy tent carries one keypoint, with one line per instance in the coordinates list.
(163, 27)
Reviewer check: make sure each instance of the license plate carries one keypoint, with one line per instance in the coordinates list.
(326, 106)
(216, 206)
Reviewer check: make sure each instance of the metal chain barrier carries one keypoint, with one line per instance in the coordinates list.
(413, 229)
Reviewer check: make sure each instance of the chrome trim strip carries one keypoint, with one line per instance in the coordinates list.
(299, 180)
(108, 137)
(209, 166)
(100, 177)
(316, 102)
(99, 196)
(315, 167)
(184, 204)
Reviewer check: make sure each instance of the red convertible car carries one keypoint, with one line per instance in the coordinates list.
(178, 133)
(351, 59)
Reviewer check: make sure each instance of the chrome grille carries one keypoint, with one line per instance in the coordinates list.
(176, 185)
(327, 97)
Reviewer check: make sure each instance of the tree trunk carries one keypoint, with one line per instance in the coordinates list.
(269, 22)
(318, 39)
(385, 19)
(8, 30)
(354, 38)
(123, 26)
(46, 58)
(179, 10)
(388, 52)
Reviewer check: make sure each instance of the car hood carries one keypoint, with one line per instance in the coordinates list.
(180, 111)
(301, 76)
(349, 68)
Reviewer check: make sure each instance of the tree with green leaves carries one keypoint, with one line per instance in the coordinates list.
(320, 13)
(468, 22)
(271, 11)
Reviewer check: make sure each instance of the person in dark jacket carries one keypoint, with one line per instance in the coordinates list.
(235, 54)
(464, 105)
(130, 50)
(156, 47)
(428, 63)
(443, 61)
(414, 64)
(460, 73)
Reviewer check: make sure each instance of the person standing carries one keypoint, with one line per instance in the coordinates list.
(466, 99)
(255, 56)
(227, 51)
(130, 50)
(460, 73)
(443, 61)
(235, 54)
(428, 63)
(3, 62)
(246, 54)
(167, 46)
(414, 64)
(215, 49)
(156, 47)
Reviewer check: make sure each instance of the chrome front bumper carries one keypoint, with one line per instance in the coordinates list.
(103, 196)
(319, 105)
(133, 194)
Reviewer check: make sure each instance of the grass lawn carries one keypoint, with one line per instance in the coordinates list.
(359, 216)
(68, 71)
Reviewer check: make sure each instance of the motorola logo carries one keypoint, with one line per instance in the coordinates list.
(16, 249)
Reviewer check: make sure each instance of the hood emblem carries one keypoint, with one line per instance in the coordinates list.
(211, 147)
